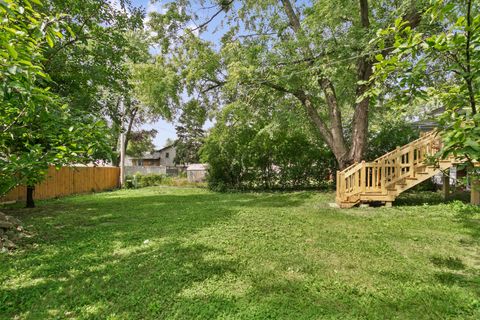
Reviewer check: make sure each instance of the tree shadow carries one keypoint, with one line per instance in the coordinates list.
(138, 285)
(451, 263)
(418, 198)
(96, 253)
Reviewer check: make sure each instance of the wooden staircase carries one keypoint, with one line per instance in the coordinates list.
(383, 179)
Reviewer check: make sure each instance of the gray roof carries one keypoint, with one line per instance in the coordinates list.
(165, 148)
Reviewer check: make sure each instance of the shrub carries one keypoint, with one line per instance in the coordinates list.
(149, 180)
(276, 150)
(144, 180)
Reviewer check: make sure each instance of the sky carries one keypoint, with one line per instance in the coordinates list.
(166, 130)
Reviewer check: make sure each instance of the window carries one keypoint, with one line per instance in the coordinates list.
(167, 155)
(140, 162)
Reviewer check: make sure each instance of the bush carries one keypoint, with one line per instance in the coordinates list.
(140, 180)
(148, 180)
(276, 150)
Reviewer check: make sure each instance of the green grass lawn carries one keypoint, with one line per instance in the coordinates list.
(186, 253)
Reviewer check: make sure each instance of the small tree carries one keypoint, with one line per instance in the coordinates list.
(36, 130)
(443, 63)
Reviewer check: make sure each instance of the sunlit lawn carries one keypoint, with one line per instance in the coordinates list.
(185, 253)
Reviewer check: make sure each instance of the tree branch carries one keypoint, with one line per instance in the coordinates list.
(469, 76)
(223, 6)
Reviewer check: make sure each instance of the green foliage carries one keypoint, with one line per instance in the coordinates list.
(269, 148)
(36, 130)
(141, 181)
(141, 142)
(462, 136)
(190, 133)
(93, 66)
(320, 65)
(387, 135)
(441, 64)
(156, 86)
(144, 180)
(90, 66)
(241, 256)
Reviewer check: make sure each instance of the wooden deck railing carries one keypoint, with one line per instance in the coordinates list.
(377, 176)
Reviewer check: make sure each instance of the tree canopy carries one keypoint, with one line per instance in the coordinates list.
(317, 56)
(36, 128)
(440, 64)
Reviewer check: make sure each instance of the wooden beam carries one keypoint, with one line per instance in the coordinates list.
(446, 186)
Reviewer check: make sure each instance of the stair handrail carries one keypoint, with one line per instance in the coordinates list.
(352, 180)
(426, 136)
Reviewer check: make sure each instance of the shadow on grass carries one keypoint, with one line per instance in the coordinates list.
(469, 216)
(91, 262)
(449, 262)
(92, 255)
(418, 198)
(138, 285)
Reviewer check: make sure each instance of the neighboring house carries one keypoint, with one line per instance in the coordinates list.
(431, 123)
(167, 156)
(146, 160)
(161, 157)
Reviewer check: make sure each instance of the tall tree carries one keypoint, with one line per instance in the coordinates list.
(190, 133)
(141, 142)
(316, 52)
(92, 67)
(36, 129)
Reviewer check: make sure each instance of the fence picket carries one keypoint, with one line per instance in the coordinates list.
(68, 181)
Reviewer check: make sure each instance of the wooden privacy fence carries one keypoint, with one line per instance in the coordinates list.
(68, 181)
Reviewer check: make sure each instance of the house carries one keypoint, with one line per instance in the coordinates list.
(162, 157)
(429, 123)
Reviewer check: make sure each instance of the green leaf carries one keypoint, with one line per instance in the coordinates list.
(11, 50)
(49, 40)
(473, 144)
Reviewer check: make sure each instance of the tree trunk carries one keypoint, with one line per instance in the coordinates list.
(360, 116)
(131, 120)
(30, 203)
(133, 115)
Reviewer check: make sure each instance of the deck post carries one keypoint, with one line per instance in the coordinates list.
(363, 176)
(446, 186)
(475, 191)
(410, 162)
(383, 178)
(398, 162)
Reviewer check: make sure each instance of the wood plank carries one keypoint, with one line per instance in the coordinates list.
(68, 181)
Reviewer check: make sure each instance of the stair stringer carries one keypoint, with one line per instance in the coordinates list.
(423, 177)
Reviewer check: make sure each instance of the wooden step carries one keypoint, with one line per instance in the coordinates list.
(411, 173)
